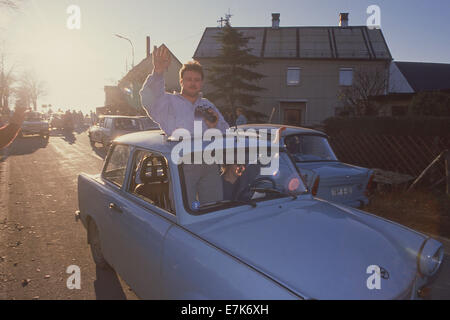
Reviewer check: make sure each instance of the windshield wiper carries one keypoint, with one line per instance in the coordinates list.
(270, 190)
(213, 204)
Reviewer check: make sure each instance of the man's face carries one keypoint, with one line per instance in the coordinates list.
(191, 83)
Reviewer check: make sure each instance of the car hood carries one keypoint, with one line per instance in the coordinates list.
(320, 250)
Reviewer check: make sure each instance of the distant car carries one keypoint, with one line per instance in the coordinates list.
(110, 127)
(271, 240)
(324, 174)
(34, 124)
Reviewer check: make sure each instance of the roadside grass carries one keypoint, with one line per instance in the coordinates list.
(424, 211)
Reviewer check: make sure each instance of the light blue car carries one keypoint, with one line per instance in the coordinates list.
(207, 231)
(324, 174)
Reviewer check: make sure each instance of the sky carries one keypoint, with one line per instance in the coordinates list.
(76, 64)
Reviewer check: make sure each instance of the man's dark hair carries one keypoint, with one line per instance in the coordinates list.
(191, 66)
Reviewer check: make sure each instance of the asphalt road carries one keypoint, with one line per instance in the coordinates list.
(39, 237)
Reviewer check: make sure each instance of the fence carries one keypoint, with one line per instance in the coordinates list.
(403, 154)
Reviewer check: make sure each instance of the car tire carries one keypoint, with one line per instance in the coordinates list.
(92, 142)
(96, 249)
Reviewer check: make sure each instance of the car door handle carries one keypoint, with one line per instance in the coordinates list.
(115, 207)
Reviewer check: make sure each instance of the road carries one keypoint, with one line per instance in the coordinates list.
(39, 237)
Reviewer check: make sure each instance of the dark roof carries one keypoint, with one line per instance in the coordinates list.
(355, 42)
(423, 76)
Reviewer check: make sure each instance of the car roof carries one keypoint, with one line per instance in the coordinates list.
(122, 117)
(289, 129)
(155, 140)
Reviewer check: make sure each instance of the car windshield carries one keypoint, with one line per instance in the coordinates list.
(213, 187)
(126, 124)
(33, 116)
(308, 148)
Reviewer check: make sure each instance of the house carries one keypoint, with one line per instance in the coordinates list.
(124, 98)
(305, 67)
(409, 78)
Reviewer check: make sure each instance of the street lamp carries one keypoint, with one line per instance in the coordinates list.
(132, 47)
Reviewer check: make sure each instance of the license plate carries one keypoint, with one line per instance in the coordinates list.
(341, 191)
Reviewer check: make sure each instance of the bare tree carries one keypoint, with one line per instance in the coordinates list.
(366, 83)
(11, 4)
(7, 80)
(31, 88)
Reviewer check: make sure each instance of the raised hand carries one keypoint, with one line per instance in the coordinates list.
(161, 59)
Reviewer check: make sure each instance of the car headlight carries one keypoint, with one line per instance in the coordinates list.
(430, 258)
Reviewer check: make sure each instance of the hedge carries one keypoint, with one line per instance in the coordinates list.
(412, 126)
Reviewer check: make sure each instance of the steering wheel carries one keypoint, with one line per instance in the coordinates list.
(259, 180)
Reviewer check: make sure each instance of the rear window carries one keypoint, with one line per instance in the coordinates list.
(126, 124)
(148, 124)
(34, 117)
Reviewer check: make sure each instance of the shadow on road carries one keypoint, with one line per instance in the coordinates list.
(107, 286)
(26, 145)
(69, 137)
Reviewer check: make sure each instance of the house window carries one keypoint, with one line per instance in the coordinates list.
(293, 76)
(346, 77)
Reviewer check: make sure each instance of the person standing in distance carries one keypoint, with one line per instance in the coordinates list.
(178, 110)
(241, 119)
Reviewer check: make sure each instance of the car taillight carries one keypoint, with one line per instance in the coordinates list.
(369, 185)
(315, 187)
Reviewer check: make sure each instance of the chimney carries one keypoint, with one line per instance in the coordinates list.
(148, 47)
(275, 20)
(343, 19)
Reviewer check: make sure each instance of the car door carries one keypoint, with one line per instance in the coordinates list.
(109, 201)
(142, 223)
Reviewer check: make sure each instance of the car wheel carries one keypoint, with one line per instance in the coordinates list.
(92, 142)
(96, 249)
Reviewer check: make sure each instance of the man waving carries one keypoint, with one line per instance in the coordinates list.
(178, 110)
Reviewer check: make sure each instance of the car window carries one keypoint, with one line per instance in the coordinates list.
(126, 124)
(213, 187)
(116, 166)
(151, 180)
(148, 124)
(101, 122)
(305, 148)
(33, 116)
(108, 123)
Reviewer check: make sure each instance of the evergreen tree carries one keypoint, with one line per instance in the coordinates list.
(231, 75)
